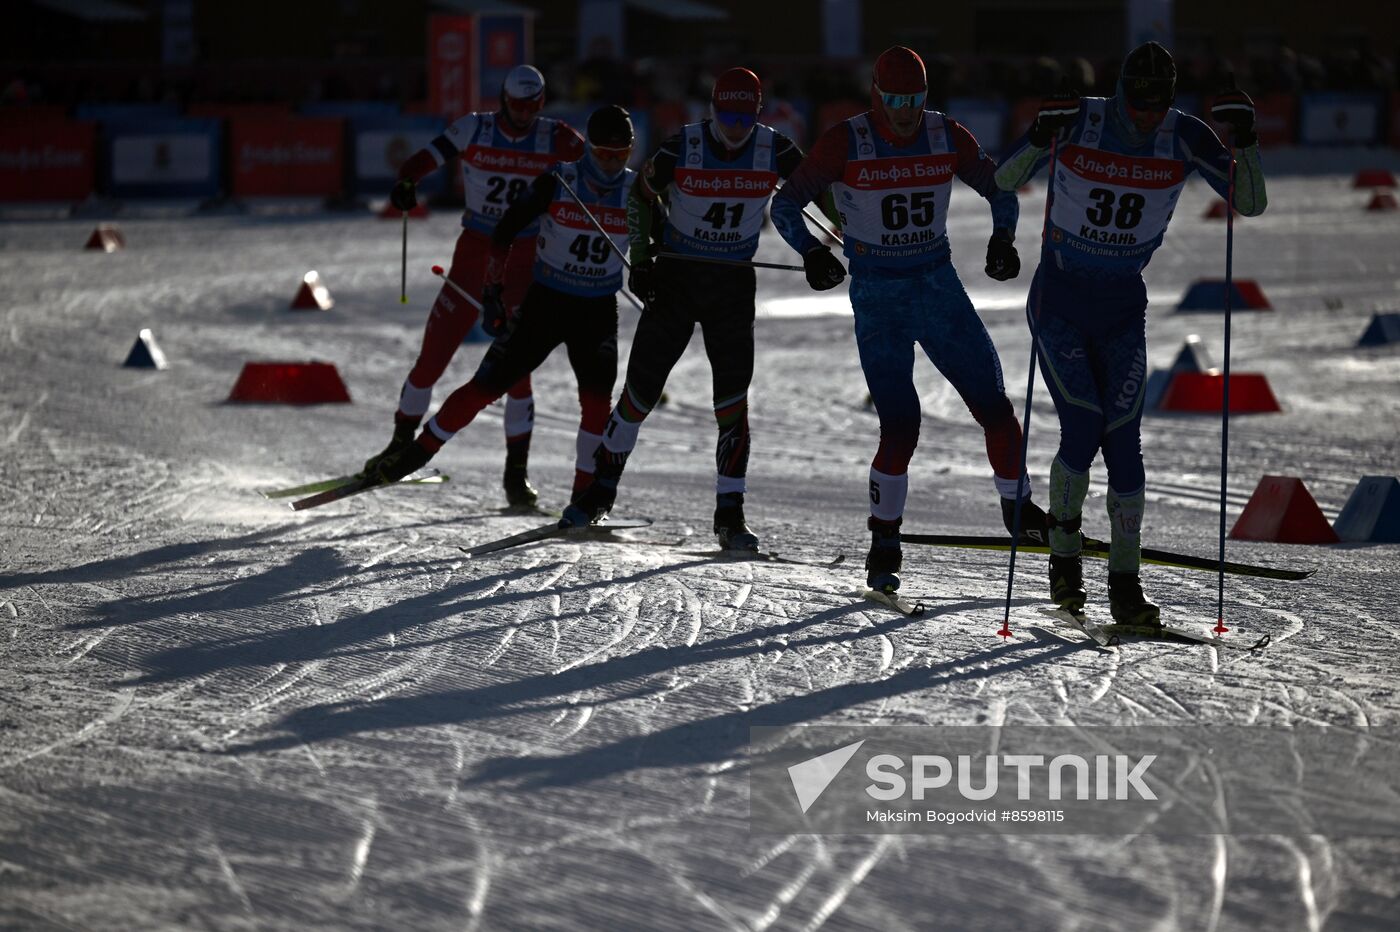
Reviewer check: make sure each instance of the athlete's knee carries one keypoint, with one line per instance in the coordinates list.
(1122, 457)
(897, 444)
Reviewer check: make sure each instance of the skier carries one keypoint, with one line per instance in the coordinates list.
(572, 300)
(501, 152)
(892, 171)
(1121, 162)
(716, 176)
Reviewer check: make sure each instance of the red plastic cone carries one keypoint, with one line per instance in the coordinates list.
(312, 295)
(290, 383)
(1382, 200)
(1373, 178)
(1282, 510)
(106, 238)
(1203, 393)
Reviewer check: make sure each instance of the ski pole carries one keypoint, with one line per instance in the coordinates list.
(821, 224)
(604, 233)
(740, 263)
(437, 270)
(1225, 393)
(403, 265)
(1005, 631)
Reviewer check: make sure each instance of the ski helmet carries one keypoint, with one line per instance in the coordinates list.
(900, 83)
(610, 127)
(899, 72)
(734, 105)
(1148, 78)
(522, 95)
(738, 90)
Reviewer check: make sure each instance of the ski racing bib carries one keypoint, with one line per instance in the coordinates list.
(497, 170)
(717, 206)
(1111, 210)
(571, 255)
(894, 202)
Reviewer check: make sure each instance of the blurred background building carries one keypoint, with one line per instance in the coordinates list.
(300, 97)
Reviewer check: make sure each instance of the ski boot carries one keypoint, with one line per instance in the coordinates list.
(403, 437)
(1127, 603)
(404, 461)
(593, 504)
(519, 492)
(885, 558)
(1033, 524)
(1067, 583)
(730, 528)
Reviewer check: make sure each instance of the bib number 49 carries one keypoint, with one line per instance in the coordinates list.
(587, 248)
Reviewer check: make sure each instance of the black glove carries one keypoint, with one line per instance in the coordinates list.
(823, 269)
(1057, 112)
(404, 195)
(1003, 262)
(493, 311)
(642, 280)
(1234, 108)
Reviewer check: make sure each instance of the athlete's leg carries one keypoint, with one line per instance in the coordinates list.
(885, 310)
(448, 322)
(1121, 357)
(662, 336)
(512, 356)
(1063, 353)
(727, 326)
(885, 333)
(592, 345)
(519, 419)
(958, 344)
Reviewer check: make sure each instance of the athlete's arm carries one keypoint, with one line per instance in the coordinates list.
(788, 156)
(567, 143)
(524, 210)
(444, 148)
(1203, 152)
(1025, 158)
(644, 201)
(978, 172)
(824, 166)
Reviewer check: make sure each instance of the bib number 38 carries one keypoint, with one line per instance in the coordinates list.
(1127, 216)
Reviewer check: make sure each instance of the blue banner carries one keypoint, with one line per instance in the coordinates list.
(379, 146)
(163, 158)
(502, 43)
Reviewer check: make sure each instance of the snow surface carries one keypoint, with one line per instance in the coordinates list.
(222, 714)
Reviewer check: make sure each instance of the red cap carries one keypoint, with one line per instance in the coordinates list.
(900, 71)
(738, 90)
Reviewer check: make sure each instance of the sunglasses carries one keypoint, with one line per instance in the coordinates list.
(736, 120)
(901, 101)
(611, 152)
(1147, 94)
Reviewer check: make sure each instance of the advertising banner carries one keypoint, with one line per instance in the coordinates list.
(286, 157)
(381, 146)
(49, 160)
(163, 158)
(451, 66)
(503, 41)
(1333, 119)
